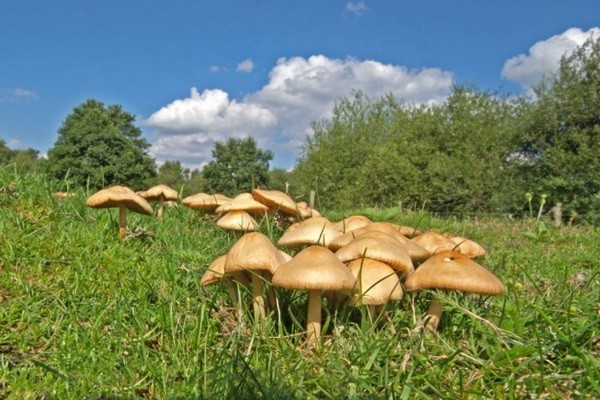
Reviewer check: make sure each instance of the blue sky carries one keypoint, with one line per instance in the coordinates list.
(193, 72)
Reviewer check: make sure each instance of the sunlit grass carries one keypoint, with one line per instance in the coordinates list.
(84, 315)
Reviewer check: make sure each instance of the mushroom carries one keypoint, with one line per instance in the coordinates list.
(277, 201)
(161, 193)
(215, 273)
(377, 284)
(255, 253)
(468, 247)
(205, 202)
(315, 230)
(123, 198)
(434, 242)
(377, 246)
(352, 222)
(451, 270)
(315, 269)
(237, 220)
(244, 202)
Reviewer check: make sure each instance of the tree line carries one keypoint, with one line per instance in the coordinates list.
(477, 152)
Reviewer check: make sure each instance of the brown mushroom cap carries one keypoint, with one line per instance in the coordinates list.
(468, 247)
(216, 271)
(434, 242)
(237, 221)
(119, 196)
(454, 271)
(315, 230)
(253, 251)
(377, 282)
(314, 268)
(205, 202)
(276, 200)
(160, 191)
(352, 222)
(377, 247)
(244, 202)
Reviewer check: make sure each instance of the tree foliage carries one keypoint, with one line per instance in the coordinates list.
(100, 146)
(25, 160)
(238, 165)
(450, 157)
(560, 139)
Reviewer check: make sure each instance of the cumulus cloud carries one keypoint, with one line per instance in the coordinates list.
(356, 7)
(299, 90)
(544, 57)
(245, 66)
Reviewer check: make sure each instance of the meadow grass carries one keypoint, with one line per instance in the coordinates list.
(84, 315)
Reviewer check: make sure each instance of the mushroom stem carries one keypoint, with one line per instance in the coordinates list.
(313, 321)
(434, 314)
(161, 205)
(258, 302)
(373, 310)
(231, 291)
(122, 222)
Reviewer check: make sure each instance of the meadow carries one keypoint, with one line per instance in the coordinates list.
(85, 315)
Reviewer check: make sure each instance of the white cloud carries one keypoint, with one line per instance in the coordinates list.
(544, 56)
(12, 94)
(356, 7)
(299, 91)
(245, 66)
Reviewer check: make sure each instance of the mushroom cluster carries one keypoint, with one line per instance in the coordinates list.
(355, 260)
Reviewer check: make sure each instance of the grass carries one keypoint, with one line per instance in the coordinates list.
(84, 315)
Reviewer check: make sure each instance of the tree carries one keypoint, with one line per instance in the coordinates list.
(173, 174)
(238, 165)
(24, 160)
(100, 146)
(560, 144)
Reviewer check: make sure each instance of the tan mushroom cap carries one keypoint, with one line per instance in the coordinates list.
(315, 230)
(237, 221)
(434, 242)
(160, 191)
(216, 271)
(253, 251)
(352, 222)
(378, 247)
(314, 268)
(452, 270)
(119, 196)
(276, 200)
(416, 252)
(377, 282)
(205, 202)
(244, 202)
(468, 247)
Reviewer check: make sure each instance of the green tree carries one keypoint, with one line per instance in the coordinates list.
(173, 174)
(238, 165)
(24, 160)
(560, 148)
(100, 146)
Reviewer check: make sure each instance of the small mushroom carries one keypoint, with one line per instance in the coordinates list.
(315, 269)
(254, 253)
(123, 198)
(161, 193)
(377, 284)
(452, 270)
(315, 230)
(237, 220)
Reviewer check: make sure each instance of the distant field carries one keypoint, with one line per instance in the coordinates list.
(84, 315)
